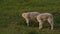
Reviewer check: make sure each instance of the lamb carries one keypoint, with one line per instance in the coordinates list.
(29, 16)
(45, 17)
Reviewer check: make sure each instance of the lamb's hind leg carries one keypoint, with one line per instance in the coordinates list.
(50, 21)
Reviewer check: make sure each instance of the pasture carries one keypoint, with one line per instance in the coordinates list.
(12, 23)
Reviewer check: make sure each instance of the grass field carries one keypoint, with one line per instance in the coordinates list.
(12, 23)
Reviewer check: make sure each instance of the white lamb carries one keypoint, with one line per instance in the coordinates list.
(29, 15)
(45, 17)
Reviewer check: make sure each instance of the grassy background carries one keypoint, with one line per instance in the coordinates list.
(12, 23)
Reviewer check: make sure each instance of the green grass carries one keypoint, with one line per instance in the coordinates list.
(12, 23)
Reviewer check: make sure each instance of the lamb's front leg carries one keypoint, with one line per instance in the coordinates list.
(40, 24)
(27, 21)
